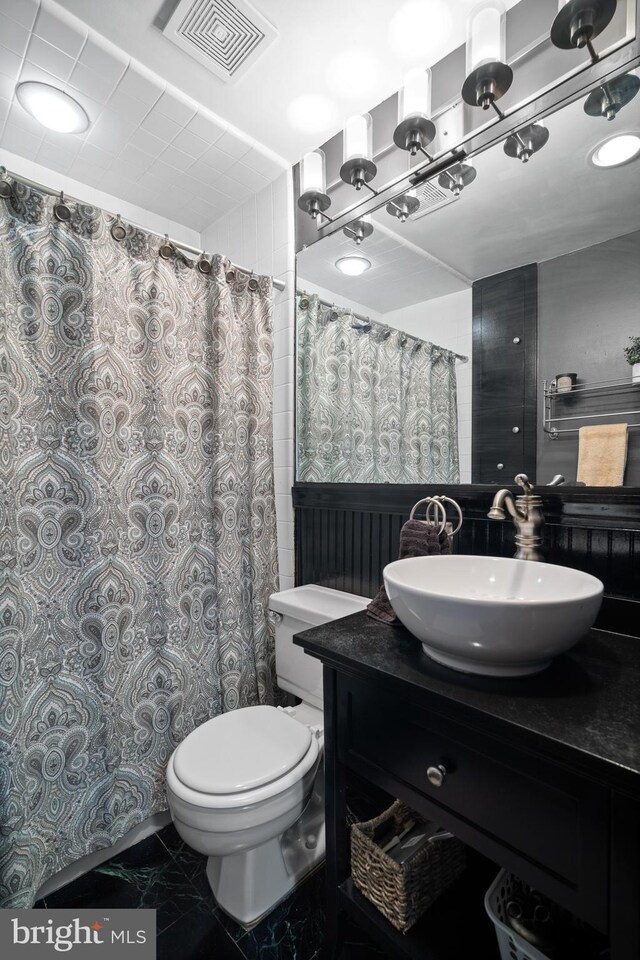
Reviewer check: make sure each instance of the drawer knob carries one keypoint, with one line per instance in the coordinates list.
(436, 775)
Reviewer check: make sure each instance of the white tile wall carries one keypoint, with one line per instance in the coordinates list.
(133, 212)
(330, 296)
(259, 235)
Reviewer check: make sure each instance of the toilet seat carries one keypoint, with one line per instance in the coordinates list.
(295, 734)
(241, 750)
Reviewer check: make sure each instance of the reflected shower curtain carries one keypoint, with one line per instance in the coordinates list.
(137, 525)
(374, 404)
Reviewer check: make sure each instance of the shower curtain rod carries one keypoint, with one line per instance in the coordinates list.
(278, 284)
(356, 316)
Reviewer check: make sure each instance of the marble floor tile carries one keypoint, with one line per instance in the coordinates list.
(142, 876)
(162, 872)
(197, 936)
(193, 864)
(293, 931)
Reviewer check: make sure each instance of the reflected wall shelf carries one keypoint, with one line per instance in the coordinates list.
(555, 408)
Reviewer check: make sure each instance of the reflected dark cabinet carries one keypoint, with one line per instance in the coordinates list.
(505, 317)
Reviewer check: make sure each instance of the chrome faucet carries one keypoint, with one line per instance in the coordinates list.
(527, 517)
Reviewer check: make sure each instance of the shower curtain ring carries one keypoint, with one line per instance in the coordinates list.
(166, 249)
(61, 211)
(253, 283)
(204, 265)
(118, 230)
(5, 184)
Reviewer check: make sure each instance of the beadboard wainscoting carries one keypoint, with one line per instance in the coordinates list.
(347, 533)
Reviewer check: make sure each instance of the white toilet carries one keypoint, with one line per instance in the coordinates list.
(246, 788)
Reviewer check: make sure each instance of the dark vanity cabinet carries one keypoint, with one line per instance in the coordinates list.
(542, 778)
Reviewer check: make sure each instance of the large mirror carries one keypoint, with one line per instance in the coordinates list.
(415, 368)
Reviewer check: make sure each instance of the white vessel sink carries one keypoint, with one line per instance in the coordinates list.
(491, 615)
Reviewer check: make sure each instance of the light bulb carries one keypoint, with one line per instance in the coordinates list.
(358, 138)
(415, 95)
(616, 150)
(51, 107)
(353, 266)
(312, 176)
(486, 38)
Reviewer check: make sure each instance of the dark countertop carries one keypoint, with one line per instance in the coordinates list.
(584, 708)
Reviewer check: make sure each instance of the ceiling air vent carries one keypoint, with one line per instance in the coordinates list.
(226, 37)
(431, 198)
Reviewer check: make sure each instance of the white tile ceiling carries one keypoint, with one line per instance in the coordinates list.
(558, 202)
(148, 143)
(399, 274)
(346, 56)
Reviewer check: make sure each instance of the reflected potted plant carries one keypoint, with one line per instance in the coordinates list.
(632, 356)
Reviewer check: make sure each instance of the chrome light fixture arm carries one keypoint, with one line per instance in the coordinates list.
(403, 206)
(579, 22)
(358, 230)
(315, 204)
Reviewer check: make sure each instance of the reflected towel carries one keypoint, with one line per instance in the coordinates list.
(602, 455)
(417, 539)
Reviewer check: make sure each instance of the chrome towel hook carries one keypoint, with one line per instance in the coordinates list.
(437, 504)
(438, 511)
(456, 506)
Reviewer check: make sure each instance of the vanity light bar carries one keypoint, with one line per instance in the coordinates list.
(488, 79)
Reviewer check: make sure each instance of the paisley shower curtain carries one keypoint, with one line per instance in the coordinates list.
(137, 523)
(374, 404)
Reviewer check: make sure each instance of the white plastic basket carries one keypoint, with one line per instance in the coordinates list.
(512, 945)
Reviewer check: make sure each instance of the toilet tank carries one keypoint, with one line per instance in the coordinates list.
(296, 610)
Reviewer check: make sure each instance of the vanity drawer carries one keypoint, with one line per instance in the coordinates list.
(535, 817)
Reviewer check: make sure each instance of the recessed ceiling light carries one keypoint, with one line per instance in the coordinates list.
(311, 113)
(52, 107)
(616, 150)
(353, 266)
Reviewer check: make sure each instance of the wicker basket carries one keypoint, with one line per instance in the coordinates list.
(402, 892)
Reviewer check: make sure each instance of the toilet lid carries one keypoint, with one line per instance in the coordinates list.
(241, 750)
